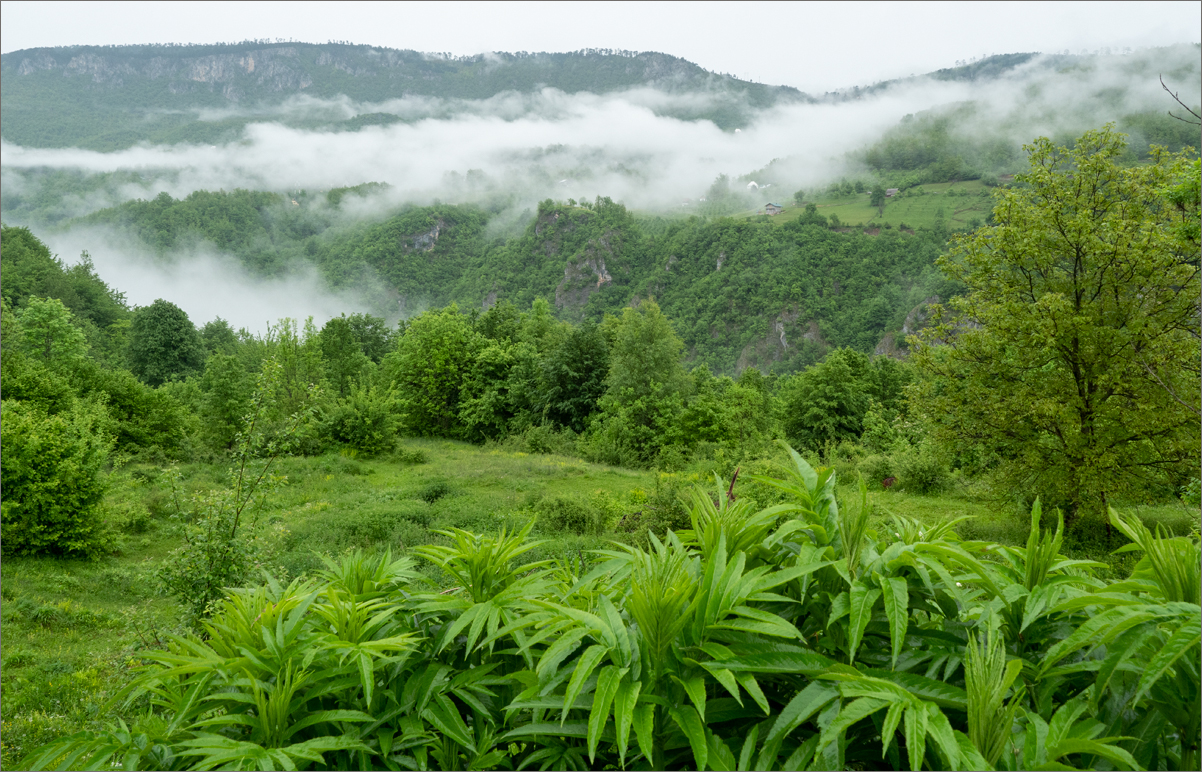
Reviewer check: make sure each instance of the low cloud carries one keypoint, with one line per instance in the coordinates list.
(621, 145)
(516, 149)
(207, 284)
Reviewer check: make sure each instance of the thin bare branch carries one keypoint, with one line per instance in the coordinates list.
(1177, 99)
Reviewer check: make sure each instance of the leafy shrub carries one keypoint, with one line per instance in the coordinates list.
(342, 463)
(412, 456)
(570, 514)
(876, 468)
(920, 469)
(369, 526)
(543, 438)
(432, 492)
(366, 420)
(51, 476)
(1191, 493)
(660, 510)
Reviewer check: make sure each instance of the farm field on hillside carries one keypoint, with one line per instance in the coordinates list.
(957, 204)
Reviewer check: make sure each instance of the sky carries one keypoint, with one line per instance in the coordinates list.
(816, 47)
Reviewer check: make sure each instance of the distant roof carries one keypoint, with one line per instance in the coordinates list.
(772, 204)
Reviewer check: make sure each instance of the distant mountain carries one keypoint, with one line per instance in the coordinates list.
(111, 97)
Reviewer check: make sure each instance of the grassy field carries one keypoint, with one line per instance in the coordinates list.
(958, 204)
(74, 628)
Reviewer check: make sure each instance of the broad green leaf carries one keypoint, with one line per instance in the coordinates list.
(584, 668)
(624, 707)
(644, 723)
(1184, 639)
(748, 682)
(851, 713)
(889, 726)
(607, 687)
(1105, 627)
(577, 729)
(804, 704)
(943, 694)
(897, 602)
(720, 756)
(1107, 751)
(800, 758)
(970, 757)
(749, 748)
(862, 600)
(442, 713)
(695, 688)
(694, 731)
(916, 735)
(725, 678)
(941, 732)
(557, 652)
(1117, 655)
(782, 661)
(618, 629)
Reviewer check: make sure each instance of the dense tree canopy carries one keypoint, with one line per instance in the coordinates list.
(163, 344)
(1074, 356)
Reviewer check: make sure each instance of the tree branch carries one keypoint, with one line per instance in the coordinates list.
(1177, 99)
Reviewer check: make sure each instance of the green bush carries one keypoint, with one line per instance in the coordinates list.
(804, 616)
(366, 420)
(53, 487)
(570, 514)
(374, 526)
(412, 456)
(920, 469)
(434, 491)
(876, 468)
(543, 438)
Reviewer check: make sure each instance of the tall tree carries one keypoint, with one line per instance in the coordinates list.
(573, 377)
(1074, 354)
(429, 367)
(163, 344)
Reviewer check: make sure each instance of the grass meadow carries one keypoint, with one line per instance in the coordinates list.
(73, 629)
(957, 204)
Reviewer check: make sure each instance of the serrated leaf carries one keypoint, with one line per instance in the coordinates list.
(624, 706)
(607, 687)
(916, 735)
(1105, 750)
(851, 713)
(694, 731)
(941, 731)
(644, 723)
(584, 668)
(863, 599)
(802, 662)
(897, 609)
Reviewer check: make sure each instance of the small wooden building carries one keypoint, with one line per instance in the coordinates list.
(773, 208)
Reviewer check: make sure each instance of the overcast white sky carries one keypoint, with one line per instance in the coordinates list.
(814, 46)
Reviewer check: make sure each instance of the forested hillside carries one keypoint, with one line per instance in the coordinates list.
(106, 98)
(743, 293)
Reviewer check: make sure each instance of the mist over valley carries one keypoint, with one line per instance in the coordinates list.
(90, 132)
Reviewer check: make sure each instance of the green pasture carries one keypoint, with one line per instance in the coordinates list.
(957, 204)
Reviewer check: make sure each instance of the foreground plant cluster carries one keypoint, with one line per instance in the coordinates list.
(792, 637)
